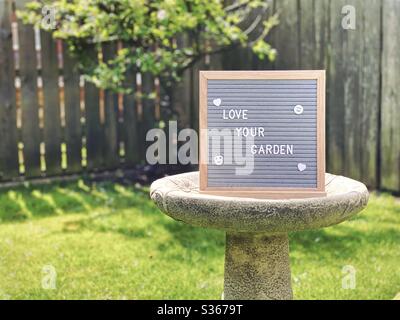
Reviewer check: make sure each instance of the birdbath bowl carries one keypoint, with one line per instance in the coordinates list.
(257, 262)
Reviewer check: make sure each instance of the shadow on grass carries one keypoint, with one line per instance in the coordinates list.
(109, 207)
(345, 242)
(145, 221)
(24, 203)
(202, 240)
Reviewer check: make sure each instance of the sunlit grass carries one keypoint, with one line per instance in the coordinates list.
(108, 241)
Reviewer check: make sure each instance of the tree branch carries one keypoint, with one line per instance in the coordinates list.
(236, 6)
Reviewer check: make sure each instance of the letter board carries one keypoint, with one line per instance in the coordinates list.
(262, 133)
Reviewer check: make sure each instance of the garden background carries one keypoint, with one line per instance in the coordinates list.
(105, 239)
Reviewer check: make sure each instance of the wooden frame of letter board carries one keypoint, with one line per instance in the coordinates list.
(263, 192)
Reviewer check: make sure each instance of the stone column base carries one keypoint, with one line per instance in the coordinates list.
(257, 267)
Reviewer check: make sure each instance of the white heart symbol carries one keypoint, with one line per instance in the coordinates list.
(217, 102)
(301, 167)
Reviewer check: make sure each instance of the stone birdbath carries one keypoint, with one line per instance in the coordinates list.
(257, 262)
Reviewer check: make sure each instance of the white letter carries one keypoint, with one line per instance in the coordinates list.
(214, 137)
(349, 279)
(188, 152)
(173, 143)
(247, 160)
(159, 146)
(49, 17)
(349, 21)
(50, 277)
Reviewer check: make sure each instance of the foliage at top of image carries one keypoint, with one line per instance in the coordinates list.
(162, 37)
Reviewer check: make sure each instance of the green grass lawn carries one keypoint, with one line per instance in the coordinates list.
(108, 241)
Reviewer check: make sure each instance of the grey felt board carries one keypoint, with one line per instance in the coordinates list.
(270, 105)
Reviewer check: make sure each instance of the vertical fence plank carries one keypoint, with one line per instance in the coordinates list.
(321, 29)
(73, 126)
(183, 98)
(30, 130)
(182, 92)
(286, 37)
(350, 76)
(94, 128)
(390, 123)
(52, 120)
(8, 129)
(253, 62)
(193, 89)
(110, 151)
(307, 34)
(314, 33)
(129, 126)
(94, 132)
(353, 103)
(370, 73)
(264, 64)
(335, 101)
(228, 57)
(148, 121)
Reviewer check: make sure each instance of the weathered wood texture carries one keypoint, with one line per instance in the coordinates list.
(30, 131)
(51, 97)
(94, 126)
(353, 99)
(363, 66)
(73, 127)
(286, 38)
(8, 129)
(128, 124)
(110, 151)
(311, 36)
(390, 104)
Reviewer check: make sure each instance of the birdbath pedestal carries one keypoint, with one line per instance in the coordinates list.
(257, 262)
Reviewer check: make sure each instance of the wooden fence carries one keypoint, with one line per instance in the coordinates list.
(53, 123)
